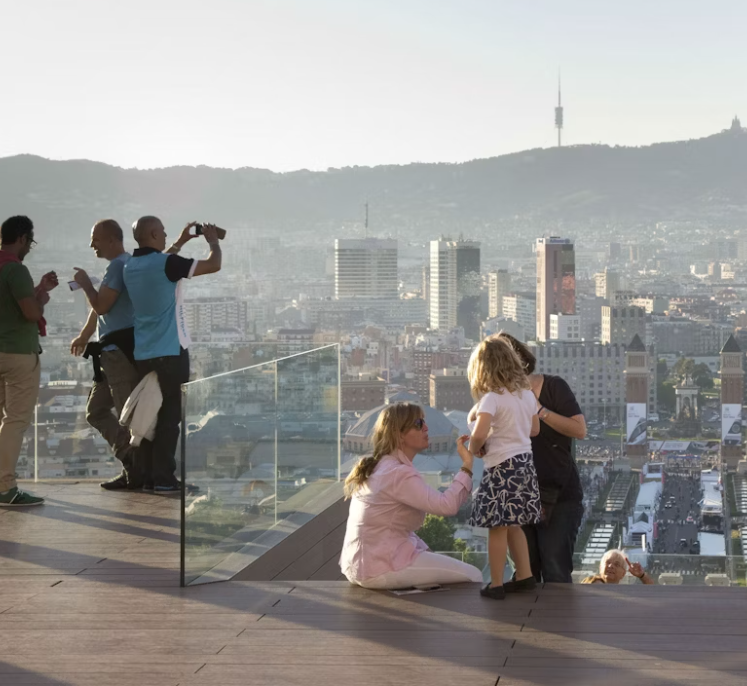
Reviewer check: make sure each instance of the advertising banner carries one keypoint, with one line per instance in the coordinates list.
(636, 424)
(731, 424)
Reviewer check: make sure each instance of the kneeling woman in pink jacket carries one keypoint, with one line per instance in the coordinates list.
(389, 503)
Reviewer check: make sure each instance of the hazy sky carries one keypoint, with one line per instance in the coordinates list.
(289, 84)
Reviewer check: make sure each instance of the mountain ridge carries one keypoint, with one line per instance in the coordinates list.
(700, 179)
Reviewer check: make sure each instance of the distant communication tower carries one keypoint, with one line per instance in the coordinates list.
(559, 116)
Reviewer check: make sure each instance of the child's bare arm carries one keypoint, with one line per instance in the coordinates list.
(535, 425)
(480, 433)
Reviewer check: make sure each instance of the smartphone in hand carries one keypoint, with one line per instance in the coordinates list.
(221, 232)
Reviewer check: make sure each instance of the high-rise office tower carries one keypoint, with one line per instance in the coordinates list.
(366, 268)
(499, 284)
(455, 285)
(443, 285)
(469, 285)
(556, 281)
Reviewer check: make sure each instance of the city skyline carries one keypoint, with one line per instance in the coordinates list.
(266, 87)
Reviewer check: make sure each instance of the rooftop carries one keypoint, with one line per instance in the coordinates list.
(89, 597)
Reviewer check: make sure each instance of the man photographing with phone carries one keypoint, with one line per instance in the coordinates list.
(153, 279)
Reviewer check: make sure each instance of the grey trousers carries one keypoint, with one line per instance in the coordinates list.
(120, 378)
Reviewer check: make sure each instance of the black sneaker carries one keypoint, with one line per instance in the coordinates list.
(494, 592)
(148, 486)
(513, 586)
(118, 483)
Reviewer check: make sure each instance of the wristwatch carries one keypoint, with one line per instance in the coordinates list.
(543, 412)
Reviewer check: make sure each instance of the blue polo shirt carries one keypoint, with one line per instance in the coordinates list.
(121, 315)
(153, 280)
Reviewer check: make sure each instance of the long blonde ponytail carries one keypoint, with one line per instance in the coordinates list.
(394, 420)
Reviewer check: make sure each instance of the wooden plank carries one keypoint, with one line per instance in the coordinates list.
(86, 662)
(658, 659)
(329, 571)
(79, 603)
(437, 672)
(355, 622)
(657, 625)
(181, 640)
(674, 610)
(286, 552)
(308, 565)
(300, 602)
(56, 678)
(529, 643)
(443, 644)
(620, 677)
(232, 623)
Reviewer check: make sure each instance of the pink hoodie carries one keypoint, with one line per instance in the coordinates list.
(385, 513)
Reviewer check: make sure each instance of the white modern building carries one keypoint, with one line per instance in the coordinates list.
(522, 308)
(499, 284)
(565, 327)
(443, 285)
(366, 268)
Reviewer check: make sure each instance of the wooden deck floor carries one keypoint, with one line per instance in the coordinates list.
(89, 596)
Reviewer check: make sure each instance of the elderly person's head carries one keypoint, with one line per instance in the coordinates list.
(613, 566)
(400, 426)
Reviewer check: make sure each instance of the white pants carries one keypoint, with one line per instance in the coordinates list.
(427, 568)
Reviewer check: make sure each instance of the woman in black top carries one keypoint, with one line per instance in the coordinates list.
(551, 542)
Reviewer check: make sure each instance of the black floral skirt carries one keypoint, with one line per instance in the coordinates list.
(508, 495)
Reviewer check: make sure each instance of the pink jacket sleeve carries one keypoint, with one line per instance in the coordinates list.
(409, 488)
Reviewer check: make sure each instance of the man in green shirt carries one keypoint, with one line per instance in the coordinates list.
(21, 320)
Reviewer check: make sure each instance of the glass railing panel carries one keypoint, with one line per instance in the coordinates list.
(60, 444)
(209, 357)
(229, 455)
(308, 428)
(681, 570)
(262, 446)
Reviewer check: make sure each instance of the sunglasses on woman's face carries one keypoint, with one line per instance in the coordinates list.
(420, 424)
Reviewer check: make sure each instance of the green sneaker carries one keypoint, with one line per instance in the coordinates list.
(17, 498)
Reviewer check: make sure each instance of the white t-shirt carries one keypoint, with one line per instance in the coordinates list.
(510, 426)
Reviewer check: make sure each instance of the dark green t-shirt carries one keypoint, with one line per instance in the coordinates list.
(17, 334)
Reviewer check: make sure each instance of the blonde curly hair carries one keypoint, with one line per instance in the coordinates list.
(394, 421)
(495, 366)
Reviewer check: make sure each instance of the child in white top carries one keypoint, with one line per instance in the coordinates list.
(502, 424)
